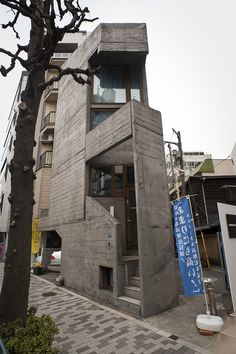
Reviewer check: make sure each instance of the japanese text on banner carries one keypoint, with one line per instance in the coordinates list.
(186, 243)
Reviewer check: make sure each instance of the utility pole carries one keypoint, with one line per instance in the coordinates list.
(171, 165)
(181, 162)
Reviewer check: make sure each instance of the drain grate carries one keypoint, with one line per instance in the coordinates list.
(50, 293)
(173, 337)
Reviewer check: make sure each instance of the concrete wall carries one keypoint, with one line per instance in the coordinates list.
(156, 253)
(88, 245)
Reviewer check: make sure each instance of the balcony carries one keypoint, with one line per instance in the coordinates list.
(51, 92)
(48, 122)
(45, 159)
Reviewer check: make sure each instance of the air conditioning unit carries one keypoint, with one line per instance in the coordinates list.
(47, 137)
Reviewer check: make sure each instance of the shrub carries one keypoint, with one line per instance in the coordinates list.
(35, 336)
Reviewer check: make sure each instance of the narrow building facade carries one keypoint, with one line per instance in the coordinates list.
(108, 188)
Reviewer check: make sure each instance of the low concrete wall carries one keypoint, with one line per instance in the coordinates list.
(89, 245)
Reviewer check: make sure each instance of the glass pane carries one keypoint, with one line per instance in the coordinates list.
(134, 83)
(98, 117)
(119, 184)
(130, 176)
(101, 181)
(109, 86)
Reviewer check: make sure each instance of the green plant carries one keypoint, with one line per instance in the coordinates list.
(35, 336)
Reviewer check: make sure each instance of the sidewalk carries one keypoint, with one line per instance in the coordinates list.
(181, 320)
(88, 327)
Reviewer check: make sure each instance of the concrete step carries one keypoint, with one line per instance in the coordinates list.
(132, 291)
(134, 281)
(131, 305)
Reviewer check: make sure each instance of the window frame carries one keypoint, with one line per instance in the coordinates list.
(113, 193)
(114, 106)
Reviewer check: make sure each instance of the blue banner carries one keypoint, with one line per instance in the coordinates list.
(186, 242)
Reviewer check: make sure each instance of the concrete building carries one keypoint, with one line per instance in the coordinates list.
(101, 189)
(5, 177)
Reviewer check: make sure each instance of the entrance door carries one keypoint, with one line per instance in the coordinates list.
(131, 216)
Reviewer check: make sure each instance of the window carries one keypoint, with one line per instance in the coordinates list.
(101, 181)
(10, 144)
(1, 203)
(106, 278)
(99, 116)
(6, 171)
(107, 181)
(114, 85)
(109, 86)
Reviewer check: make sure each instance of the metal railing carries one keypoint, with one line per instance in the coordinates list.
(45, 159)
(49, 119)
(49, 88)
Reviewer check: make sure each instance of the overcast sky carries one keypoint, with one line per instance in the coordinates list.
(191, 66)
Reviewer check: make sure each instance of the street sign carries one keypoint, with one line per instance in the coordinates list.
(186, 242)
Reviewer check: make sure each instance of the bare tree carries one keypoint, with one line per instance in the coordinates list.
(49, 21)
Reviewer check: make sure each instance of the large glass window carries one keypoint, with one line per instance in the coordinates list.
(109, 85)
(134, 83)
(113, 86)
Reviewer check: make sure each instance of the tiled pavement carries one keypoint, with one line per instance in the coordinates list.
(88, 327)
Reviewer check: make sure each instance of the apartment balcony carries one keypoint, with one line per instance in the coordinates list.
(48, 123)
(51, 92)
(45, 160)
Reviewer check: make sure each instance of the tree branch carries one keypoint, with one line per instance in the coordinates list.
(12, 24)
(14, 57)
(21, 7)
(70, 71)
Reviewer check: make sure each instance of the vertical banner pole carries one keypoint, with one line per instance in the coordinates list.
(204, 288)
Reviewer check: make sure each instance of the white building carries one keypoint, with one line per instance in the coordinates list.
(5, 177)
(192, 159)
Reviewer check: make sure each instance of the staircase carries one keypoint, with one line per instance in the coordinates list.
(130, 300)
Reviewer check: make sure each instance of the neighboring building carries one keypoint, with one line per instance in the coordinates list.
(212, 182)
(101, 189)
(192, 159)
(44, 137)
(5, 182)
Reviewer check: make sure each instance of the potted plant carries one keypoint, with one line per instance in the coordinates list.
(38, 268)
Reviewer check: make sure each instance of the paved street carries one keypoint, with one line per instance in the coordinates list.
(90, 328)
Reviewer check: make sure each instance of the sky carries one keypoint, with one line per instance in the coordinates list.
(191, 70)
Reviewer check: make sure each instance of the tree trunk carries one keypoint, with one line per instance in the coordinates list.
(15, 289)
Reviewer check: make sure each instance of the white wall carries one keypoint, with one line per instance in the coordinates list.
(229, 247)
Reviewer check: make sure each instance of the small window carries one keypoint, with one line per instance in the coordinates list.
(106, 278)
(107, 181)
(10, 144)
(6, 171)
(99, 116)
(101, 181)
(1, 203)
(134, 83)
